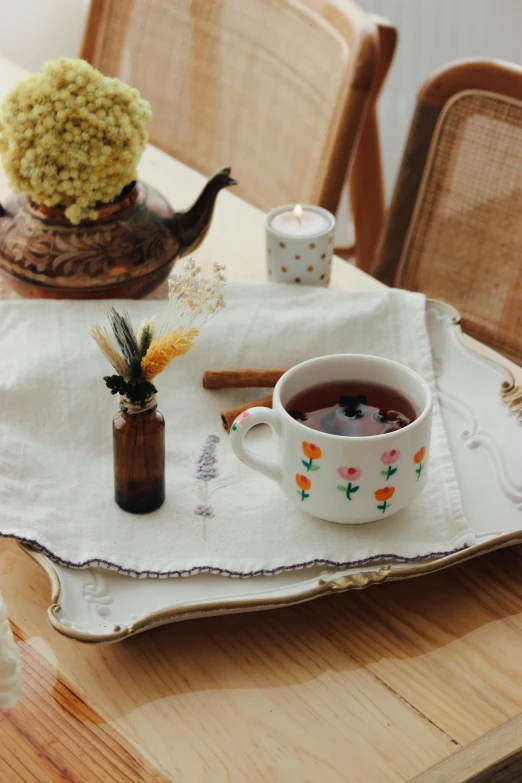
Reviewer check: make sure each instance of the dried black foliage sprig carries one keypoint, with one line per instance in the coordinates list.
(135, 391)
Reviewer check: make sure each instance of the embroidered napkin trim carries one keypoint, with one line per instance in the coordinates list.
(227, 572)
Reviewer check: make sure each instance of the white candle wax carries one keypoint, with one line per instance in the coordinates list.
(310, 224)
(299, 244)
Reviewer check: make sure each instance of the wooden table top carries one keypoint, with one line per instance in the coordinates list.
(370, 687)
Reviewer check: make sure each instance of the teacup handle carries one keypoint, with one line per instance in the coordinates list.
(244, 422)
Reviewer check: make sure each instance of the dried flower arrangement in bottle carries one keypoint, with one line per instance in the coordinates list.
(72, 137)
(138, 427)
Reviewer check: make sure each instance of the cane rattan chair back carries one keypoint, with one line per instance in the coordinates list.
(278, 88)
(454, 229)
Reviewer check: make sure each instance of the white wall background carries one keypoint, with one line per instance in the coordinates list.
(33, 31)
(431, 34)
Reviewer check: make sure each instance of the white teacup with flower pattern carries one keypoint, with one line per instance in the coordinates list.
(334, 477)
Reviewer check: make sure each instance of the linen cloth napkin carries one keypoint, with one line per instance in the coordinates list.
(56, 478)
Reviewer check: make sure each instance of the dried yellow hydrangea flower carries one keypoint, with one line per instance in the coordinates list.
(72, 137)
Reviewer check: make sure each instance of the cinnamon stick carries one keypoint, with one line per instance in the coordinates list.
(228, 416)
(241, 379)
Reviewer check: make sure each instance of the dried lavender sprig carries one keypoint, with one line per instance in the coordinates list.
(206, 463)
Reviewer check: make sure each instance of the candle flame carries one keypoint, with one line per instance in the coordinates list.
(298, 211)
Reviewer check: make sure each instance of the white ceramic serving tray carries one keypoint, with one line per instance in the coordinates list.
(481, 408)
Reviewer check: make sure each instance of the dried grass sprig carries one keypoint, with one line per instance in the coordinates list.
(124, 334)
(102, 339)
(147, 332)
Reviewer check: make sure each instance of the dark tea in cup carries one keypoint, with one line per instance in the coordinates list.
(352, 479)
(352, 409)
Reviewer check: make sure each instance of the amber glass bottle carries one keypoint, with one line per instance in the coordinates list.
(139, 456)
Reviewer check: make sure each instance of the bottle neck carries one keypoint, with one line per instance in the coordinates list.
(137, 408)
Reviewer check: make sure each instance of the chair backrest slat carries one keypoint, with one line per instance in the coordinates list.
(278, 88)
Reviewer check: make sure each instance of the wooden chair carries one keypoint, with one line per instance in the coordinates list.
(454, 228)
(279, 88)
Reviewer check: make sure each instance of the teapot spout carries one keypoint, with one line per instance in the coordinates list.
(190, 227)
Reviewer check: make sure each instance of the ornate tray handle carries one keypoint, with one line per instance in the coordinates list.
(512, 396)
(357, 581)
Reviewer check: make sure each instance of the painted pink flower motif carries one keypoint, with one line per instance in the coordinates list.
(241, 419)
(349, 474)
(390, 457)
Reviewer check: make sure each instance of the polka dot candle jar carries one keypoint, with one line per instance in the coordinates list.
(299, 244)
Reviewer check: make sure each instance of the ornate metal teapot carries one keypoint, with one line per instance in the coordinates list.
(126, 253)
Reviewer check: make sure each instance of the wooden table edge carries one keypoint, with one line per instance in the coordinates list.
(496, 757)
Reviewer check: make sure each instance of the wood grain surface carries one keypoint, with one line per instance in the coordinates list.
(388, 680)
(374, 686)
(53, 735)
(274, 696)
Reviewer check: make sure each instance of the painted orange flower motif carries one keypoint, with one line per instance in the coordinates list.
(311, 451)
(302, 482)
(384, 494)
(419, 456)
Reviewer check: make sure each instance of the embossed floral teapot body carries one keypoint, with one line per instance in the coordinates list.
(126, 253)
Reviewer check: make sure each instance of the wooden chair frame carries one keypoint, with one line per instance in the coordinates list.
(355, 155)
(365, 179)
